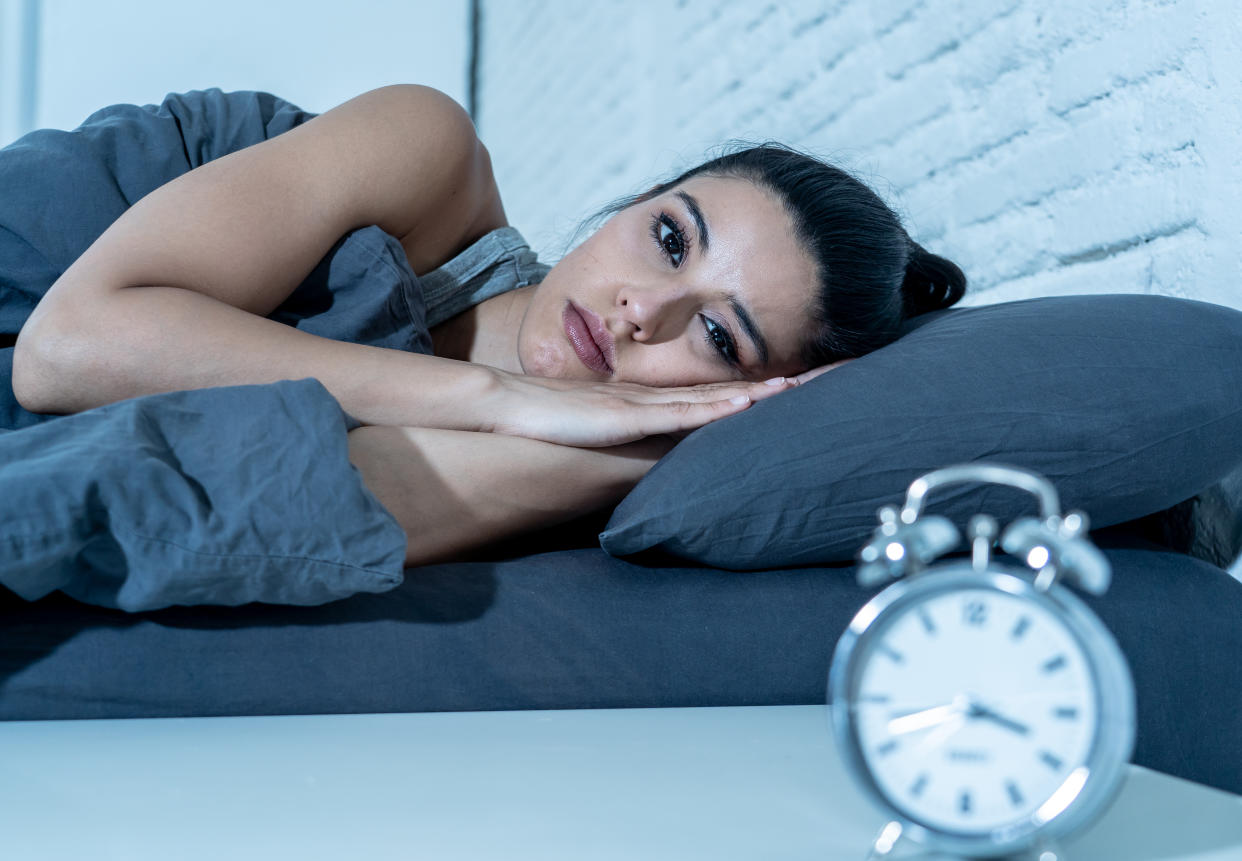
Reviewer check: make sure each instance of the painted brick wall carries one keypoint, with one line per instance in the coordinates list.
(1049, 146)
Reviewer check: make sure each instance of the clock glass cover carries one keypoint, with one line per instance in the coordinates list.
(975, 709)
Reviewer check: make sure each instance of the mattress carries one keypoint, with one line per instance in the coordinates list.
(580, 629)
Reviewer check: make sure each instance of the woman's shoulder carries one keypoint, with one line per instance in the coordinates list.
(453, 199)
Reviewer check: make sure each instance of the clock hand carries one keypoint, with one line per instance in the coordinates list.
(925, 718)
(978, 710)
(939, 735)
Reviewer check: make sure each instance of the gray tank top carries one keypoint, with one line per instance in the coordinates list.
(499, 262)
(365, 292)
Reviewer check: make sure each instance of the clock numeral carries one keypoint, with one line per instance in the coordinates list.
(1050, 759)
(1053, 664)
(974, 613)
(916, 788)
(887, 748)
(896, 656)
(1065, 713)
(928, 625)
(1020, 628)
(1014, 795)
(874, 698)
(964, 801)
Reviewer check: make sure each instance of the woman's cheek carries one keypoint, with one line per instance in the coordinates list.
(672, 369)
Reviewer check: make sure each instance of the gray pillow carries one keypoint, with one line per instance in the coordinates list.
(1129, 404)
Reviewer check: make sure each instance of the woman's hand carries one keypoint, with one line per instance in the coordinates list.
(807, 376)
(604, 414)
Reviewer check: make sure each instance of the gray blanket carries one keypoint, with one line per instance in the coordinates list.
(216, 496)
(219, 496)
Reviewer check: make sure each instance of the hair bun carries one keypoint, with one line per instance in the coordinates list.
(932, 283)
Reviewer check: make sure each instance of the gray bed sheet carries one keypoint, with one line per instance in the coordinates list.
(580, 629)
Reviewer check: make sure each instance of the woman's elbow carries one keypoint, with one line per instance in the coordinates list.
(43, 366)
(31, 374)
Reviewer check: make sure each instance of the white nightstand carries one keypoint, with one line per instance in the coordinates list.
(712, 783)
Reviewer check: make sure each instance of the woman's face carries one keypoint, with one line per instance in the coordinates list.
(704, 283)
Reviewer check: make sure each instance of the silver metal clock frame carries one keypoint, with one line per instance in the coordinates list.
(1110, 749)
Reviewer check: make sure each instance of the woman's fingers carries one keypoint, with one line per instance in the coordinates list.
(710, 392)
(699, 405)
(604, 414)
(627, 421)
(807, 376)
(680, 416)
(701, 392)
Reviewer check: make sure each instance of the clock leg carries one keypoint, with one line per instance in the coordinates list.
(888, 837)
(1044, 850)
(884, 842)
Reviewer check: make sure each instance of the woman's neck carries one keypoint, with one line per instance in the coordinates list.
(486, 334)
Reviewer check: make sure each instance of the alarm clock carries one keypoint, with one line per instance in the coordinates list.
(977, 701)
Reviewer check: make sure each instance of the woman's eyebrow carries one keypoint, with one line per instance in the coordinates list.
(739, 310)
(700, 223)
(752, 330)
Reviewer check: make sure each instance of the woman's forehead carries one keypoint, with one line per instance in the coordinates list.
(743, 219)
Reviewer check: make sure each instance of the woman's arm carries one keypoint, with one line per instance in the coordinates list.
(172, 295)
(455, 491)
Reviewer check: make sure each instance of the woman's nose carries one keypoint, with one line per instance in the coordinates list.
(653, 311)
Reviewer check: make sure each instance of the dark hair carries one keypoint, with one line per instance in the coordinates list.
(872, 275)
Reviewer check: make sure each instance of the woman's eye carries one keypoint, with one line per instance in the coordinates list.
(669, 236)
(719, 339)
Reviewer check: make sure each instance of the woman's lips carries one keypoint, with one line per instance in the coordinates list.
(590, 338)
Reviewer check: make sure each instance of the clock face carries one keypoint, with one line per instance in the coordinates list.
(974, 710)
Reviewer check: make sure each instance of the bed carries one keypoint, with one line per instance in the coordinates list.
(263, 586)
(718, 585)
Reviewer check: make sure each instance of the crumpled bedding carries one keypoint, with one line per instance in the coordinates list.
(217, 496)
(224, 496)
(62, 189)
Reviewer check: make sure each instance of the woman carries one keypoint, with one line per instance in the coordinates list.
(549, 398)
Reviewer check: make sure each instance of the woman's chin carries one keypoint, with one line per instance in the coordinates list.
(547, 361)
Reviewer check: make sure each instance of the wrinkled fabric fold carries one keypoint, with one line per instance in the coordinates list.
(224, 496)
(62, 189)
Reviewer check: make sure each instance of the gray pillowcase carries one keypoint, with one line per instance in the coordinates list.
(1129, 404)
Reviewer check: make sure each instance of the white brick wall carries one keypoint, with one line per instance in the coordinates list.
(1049, 146)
